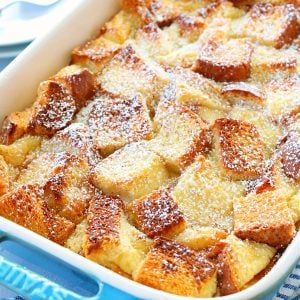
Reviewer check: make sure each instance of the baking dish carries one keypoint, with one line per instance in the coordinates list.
(18, 84)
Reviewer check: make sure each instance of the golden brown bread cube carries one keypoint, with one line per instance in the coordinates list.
(290, 155)
(174, 268)
(4, 176)
(110, 240)
(129, 74)
(205, 196)
(268, 24)
(77, 139)
(15, 126)
(157, 214)
(119, 121)
(75, 240)
(238, 91)
(240, 261)
(264, 218)
(225, 60)
(79, 82)
(294, 205)
(239, 148)
(181, 136)
(53, 110)
(26, 207)
(131, 172)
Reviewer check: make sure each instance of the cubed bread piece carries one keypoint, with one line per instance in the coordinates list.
(174, 268)
(206, 197)
(239, 148)
(182, 135)
(15, 126)
(198, 237)
(53, 110)
(290, 155)
(63, 177)
(268, 24)
(77, 139)
(225, 60)
(268, 130)
(75, 240)
(240, 261)
(238, 91)
(119, 121)
(282, 96)
(189, 88)
(264, 218)
(94, 53)
(26, 207)
(16, 153)
(157, 214)
(110, 240)
(131, 172)
(129, 74)
(4, 176)
(294, 205)
(208, 115)
(79, 82)
(267, 63)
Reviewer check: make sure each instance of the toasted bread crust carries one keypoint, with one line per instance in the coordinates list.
(240, 148)
(158, 215)
(26, 207)
(214, 62)
(4, 177)
(264, 218)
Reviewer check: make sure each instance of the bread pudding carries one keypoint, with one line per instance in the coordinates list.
(169, 149)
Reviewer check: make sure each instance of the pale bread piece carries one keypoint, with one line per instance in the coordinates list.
(268, 25)
(240, 261)
(225, 60)
(110, 240)
(4, 176)
(268, 130)
(75, 240)
(208, 115)
(16, 153)
(205, 196)
(79, 82)
(77, 139)
(181, 136)
(53, 110)
(189, 88)
(239, 148)
(63, 178)
(129, 74)
(131, 172)
(264, 218)
(14, 126)
(294, 206)
(157, 214)
(119, 121)
(26, 207)
(199, 238)
(174, 268)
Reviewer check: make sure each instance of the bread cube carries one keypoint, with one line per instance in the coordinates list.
(157, 214)
(268, 25)
(26, 207)
(77, 139)
(119, 121)
(205, 196)
(240, 261)
(15, 126)
(4, 176)
(225, 60)
(53, 110)
(294, 206)
(174, 268)
(131, 172)
(264, 218)
(132, 75)
(199, 238)
(75, 240)
(79, 82)
(239, 148)
(182, 135)
(110, 240)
